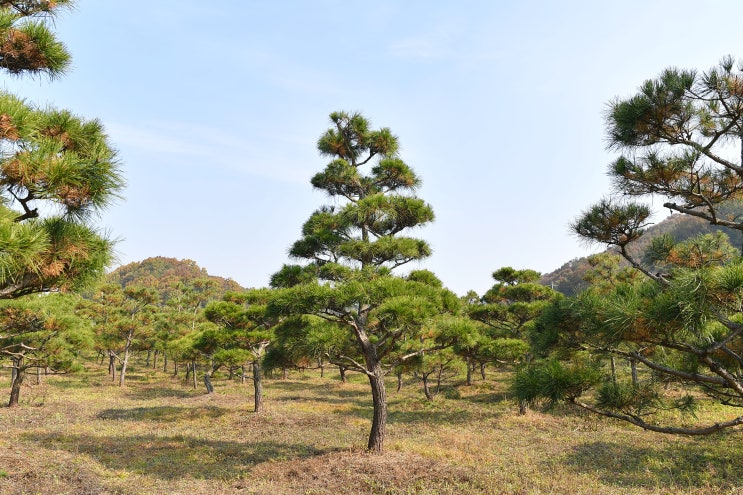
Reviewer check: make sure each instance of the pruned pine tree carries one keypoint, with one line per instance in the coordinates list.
(507, 311)
(350, 249)
(42, 333)
(56, 169)
(682, 138)
(247, 332)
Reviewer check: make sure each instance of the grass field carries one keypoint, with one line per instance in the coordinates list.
(83, 435)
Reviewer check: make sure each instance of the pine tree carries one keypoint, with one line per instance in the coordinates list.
(351, 249)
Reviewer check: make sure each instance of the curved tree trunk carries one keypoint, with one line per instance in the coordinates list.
(258, 385)
(15, 388)
(470, 365)
(426, 386)
(342, 370)
(208, 382)
(379, 398)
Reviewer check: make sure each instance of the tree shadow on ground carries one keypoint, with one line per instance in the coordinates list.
(160, 392)
(670, 468)
(162, 413)
(174, 457)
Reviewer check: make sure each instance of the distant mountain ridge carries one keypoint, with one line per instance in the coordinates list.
(569, 278)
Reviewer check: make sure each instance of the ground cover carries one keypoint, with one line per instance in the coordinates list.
(82, 434)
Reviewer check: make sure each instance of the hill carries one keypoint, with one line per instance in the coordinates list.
(159, 271)
(569, 278)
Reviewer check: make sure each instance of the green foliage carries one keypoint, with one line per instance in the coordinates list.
(554, 381)
(44, 332)
(56, 171)
(350, 251)
(28, 45)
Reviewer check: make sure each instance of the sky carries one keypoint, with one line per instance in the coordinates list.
(216, 107)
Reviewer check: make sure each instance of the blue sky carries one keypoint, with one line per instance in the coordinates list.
(216, 109)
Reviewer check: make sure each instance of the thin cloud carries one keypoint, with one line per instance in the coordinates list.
(184, 145)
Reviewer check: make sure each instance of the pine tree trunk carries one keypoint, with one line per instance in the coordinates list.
(342, 370)
(399, 381)
(470, 366)
(125, 363)
(258, 386)
(149, 355)
(165, 362)
(379, 398)
(208, 382)
(193, 373)
(38, 375)
(633, 366)
(122, 373)
(112, 365)
(613, 370)
(15, 388)
(426, 387)
(482, 370)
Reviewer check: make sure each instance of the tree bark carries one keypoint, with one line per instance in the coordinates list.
(122, 373)
(379, 398)
(342, 370)
(208, 383)
(633, 366)
(613, 370)
(470, 365)
(15, 388)
(258, 386)
(482, 370)
(426, 386)
(193, 373)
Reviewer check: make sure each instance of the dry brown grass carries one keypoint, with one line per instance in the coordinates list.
(83, 435)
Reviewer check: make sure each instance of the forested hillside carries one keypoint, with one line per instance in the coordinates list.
(164, 271)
